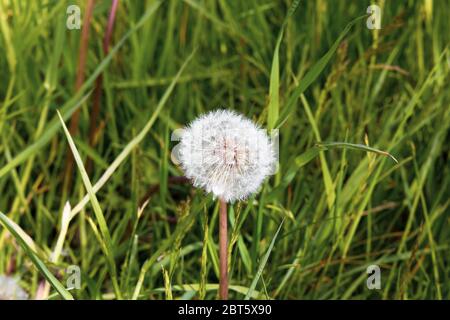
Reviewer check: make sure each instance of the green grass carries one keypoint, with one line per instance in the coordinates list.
(344, 98)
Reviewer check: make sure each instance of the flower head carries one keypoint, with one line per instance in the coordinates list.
(226, 154)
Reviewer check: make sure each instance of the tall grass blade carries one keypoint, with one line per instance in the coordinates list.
(353, 146)
(18, 235)
(313, 73)
(274, 87)
(262, 264)
(106, 237)
(134, 142)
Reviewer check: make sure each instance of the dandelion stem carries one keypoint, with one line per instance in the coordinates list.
(223, 251)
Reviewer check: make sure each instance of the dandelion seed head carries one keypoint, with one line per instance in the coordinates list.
(226, 154)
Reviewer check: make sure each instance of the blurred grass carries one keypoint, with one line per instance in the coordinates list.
(311, 74)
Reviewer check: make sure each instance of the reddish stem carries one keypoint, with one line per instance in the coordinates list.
(78, 83)
(99, 81)
(223, 250)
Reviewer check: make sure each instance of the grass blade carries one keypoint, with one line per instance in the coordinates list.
(68, 109)
(181, 227)
(210, 287)
(314, 72)
(262, 264)
(353, 146)
(73, 104)
(274, 87)
(133, 143)
(106, 237)
(19, 236)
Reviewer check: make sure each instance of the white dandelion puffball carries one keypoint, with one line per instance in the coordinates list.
(226, 154)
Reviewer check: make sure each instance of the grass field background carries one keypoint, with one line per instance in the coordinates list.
(328, 79)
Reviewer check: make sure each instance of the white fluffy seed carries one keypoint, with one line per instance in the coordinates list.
(226, 154)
